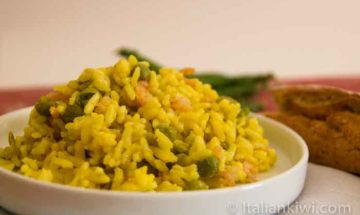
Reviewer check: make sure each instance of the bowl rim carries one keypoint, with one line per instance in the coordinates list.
(108, 193)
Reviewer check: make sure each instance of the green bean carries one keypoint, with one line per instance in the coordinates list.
(84, 97)
(12, 143)
(126, 52)
(208, 167)
(11, 138)
(237, 91)
(212, 79)
(217, 80)
(251, 106)
(261, 78)
(71, 112)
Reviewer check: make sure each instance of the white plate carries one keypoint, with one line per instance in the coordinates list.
(275, 189)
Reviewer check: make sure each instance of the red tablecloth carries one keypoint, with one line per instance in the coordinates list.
(17, 98)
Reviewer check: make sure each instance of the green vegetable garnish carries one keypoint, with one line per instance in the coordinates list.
(71, 112)
(208, 167)
(169, 132)
(43, 106)
(84, 98)
(11, 138)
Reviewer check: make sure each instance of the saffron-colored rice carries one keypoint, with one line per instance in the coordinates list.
(125, 127)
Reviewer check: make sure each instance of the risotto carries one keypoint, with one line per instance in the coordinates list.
(128, 128)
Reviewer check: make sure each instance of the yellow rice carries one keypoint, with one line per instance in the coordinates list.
(137, 131)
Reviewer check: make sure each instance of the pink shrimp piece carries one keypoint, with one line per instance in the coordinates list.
(142, 93)
(230, 176)
(103, 103)
(180, 103)
(249, 170)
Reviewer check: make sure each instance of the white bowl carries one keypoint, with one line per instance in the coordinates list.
(275, 189)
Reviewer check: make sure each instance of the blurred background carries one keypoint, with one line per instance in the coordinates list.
(45, 42)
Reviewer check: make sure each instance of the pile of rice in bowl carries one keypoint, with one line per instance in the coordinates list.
(125, 127)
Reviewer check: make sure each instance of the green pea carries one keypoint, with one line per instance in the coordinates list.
(208, 167)
(71, 112)
(169, 132)
(43, 106)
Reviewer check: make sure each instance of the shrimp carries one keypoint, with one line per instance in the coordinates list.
(250, 170)
(180, 103)
(142, 92)
(230, 175)
(103, 103)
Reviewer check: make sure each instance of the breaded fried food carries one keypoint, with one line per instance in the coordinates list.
(327, 118)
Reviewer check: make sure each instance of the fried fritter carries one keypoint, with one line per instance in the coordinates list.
(327, 118)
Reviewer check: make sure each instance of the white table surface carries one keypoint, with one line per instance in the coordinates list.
(49, 41)
(328, 191)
